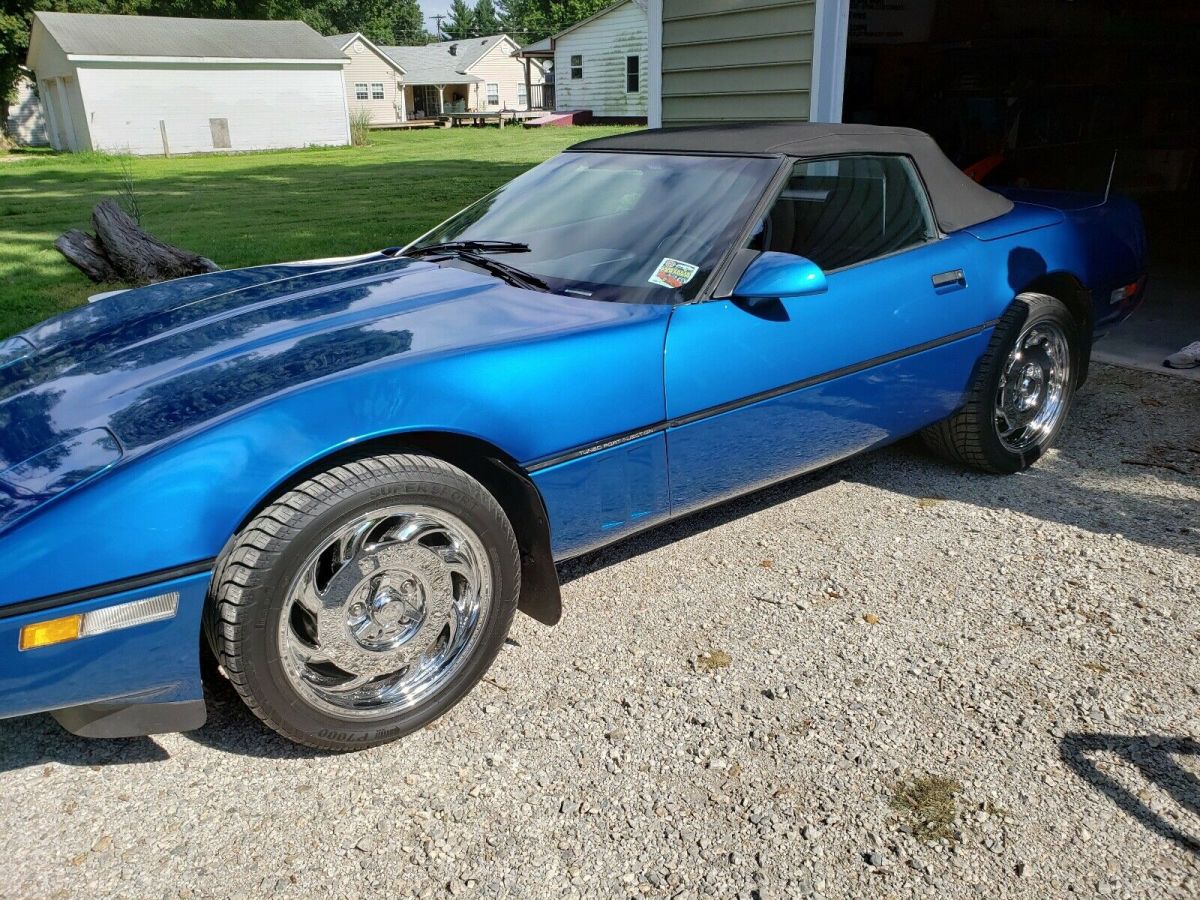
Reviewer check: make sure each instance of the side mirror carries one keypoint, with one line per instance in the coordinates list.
(773, 276)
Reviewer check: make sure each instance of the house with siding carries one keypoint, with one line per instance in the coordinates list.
(478, 74)
(374, 81)
(26, 123)
(746, 60)
(151, 84)
(601, 64)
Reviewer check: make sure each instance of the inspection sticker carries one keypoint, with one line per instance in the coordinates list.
(673, 273)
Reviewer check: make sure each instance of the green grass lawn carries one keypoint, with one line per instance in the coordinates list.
(247, 209)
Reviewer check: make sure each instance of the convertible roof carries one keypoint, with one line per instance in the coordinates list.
(958, 202)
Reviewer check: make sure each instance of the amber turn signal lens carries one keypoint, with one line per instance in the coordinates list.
(56, 631)
(100, 621)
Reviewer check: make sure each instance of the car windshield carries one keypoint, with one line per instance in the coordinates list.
(636, 228)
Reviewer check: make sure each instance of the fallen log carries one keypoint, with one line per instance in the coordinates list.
(87, 255)
(138, 256)
(122, 251)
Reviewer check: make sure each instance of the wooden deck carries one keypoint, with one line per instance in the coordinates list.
(449, 120)
(411, 123)
(498, 117)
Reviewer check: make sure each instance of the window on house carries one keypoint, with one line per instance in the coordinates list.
(493, 94)
(633, 75)
(522, 94)
(577, 66)
(360, 91)
(843, 211)
(377, 90)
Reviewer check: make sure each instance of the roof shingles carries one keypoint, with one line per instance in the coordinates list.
(436, 64)
(87, 34)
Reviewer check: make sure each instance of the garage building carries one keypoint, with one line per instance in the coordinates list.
(152, 85)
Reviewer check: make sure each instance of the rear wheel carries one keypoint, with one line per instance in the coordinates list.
(1022, 391)
(366, 601)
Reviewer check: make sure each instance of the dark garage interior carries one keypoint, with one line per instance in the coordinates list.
(1042, 94)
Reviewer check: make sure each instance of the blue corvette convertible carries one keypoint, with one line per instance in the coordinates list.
(342, 478)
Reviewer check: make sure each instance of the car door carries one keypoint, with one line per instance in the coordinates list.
(760, 393)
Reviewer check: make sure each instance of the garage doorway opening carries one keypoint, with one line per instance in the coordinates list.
(1040, 94)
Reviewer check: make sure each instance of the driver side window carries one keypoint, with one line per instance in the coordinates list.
(845, 210)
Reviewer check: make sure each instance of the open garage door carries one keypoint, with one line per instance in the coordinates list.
(1041, 93)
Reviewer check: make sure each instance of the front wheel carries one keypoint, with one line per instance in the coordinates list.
(1021, 394)
(366, 601)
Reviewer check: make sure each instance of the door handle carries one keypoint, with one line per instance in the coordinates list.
(949, 281)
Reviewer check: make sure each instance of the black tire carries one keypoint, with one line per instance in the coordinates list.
(247, 598)
(971, 437)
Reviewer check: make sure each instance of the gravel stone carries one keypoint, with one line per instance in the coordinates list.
(1036, 640)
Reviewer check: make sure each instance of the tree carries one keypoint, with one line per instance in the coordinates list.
(408, 23)
(533, 20)
(16, 18)
(382, 21)
(529, 20)
(487, 20)
(460, 23)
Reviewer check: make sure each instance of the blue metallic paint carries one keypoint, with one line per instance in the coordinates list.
(806, 429)
(426, 349)
(775, 276)
(157, 662)
(215, 390)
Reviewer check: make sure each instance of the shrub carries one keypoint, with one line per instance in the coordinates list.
(360, 127)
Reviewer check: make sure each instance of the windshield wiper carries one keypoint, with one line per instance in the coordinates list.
(470, 246)
(511, 274)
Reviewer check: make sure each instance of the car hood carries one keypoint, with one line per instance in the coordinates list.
(132, 370)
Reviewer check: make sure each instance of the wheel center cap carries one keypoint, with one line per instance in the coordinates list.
(382, 611)
(392, 607)
(1029, 389)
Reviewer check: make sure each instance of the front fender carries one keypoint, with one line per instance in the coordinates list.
(177, 503)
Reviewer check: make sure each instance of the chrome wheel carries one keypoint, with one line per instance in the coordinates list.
(1034, 387)
(385, 612)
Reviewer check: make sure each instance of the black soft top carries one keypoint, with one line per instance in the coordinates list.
(958, 202)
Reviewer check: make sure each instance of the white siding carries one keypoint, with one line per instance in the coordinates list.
(63, 104)
(604, 44)
(367, 67)
(266, 106)
(26, 120)
(498, 66)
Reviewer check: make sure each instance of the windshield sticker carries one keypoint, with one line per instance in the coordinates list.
(673, 273)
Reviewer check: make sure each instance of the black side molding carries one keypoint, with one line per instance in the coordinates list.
(38, 604)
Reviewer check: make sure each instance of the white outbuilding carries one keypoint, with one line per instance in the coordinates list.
(601, 63)
(155, 85)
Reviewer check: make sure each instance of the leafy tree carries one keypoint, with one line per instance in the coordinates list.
(16, 18)
(461, 21)
(487, 20)
(383, 21)
(533, 20)
(408, 23)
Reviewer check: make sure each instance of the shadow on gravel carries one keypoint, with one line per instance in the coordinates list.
(31, 741)
(1070, 494)
(1154, 757)
(232, 728)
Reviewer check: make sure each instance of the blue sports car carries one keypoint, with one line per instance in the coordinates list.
(341, 479)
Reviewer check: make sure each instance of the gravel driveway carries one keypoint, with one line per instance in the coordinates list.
(891, 678)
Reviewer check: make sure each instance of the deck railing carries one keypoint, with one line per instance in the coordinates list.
(541, 96)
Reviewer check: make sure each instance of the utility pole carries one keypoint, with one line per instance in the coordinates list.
(438, 24)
